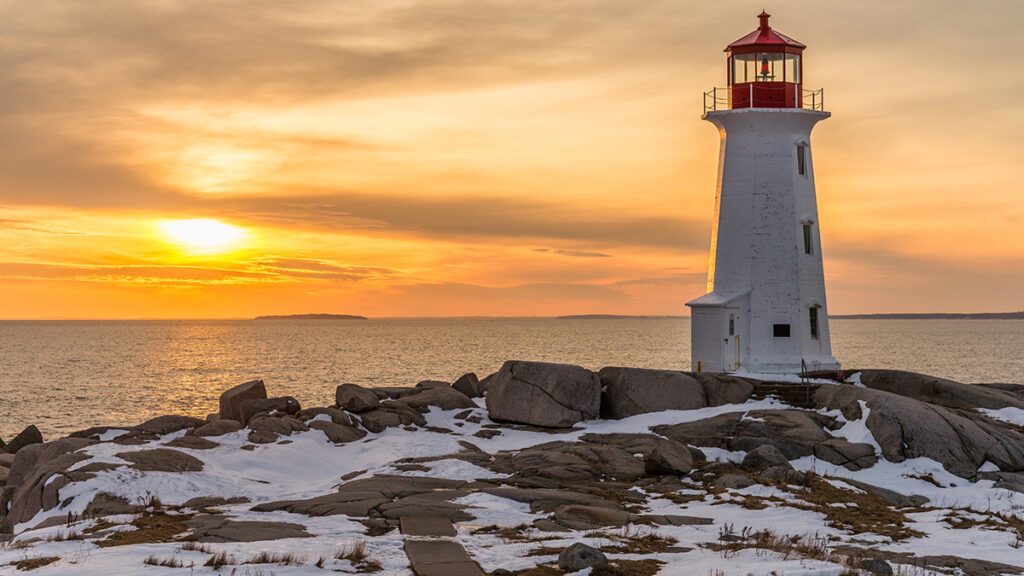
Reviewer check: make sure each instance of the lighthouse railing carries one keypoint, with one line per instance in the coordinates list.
(752, 96)
(816, 97)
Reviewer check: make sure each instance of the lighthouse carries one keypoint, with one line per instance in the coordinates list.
(765, 308)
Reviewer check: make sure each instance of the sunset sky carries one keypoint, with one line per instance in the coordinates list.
(477, 157)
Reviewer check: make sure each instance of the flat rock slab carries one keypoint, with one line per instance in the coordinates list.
(220, 529)
(420, 526)
(676, 520)
(162, 460)
(440, 558)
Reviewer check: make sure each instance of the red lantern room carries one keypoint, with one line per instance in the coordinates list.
(765, 69)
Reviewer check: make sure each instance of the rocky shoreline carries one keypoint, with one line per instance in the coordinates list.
(540, 469)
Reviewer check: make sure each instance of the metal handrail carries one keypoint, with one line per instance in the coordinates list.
(718, 99)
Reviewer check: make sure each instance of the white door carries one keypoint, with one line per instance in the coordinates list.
(706, 339)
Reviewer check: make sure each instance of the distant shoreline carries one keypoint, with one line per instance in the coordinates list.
(311, 317)
(933, 316)
(896, 316)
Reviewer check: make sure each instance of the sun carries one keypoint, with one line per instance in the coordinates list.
(202, 235)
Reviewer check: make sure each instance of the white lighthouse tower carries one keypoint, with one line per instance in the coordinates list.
(765, 309)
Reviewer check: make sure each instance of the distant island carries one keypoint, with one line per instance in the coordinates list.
(935, 316)
(611, 317)
(312, 317)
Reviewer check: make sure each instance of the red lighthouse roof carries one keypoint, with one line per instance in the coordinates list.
(765, 36)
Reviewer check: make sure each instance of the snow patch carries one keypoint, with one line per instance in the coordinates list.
(1009, 414)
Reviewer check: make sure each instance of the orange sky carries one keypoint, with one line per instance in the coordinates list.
(472, 157)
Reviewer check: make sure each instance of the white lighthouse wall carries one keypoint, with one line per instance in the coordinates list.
(761, 205)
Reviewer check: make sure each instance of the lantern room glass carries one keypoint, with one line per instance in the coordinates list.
(792, 68)
(764, 67)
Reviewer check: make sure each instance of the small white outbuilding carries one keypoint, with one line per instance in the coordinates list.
(765, 310)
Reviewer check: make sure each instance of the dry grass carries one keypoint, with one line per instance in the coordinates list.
(194, 546)
(149, 528)
(98, 526)
(356, 554)
(927, 478)
(219, 560)
(646, 567)
(991, 521)
(864, 513)
(513, 534)
(788, 546)
(63, 536)
(285, 559)
(634, 540)
(153, 560)
(33, 563)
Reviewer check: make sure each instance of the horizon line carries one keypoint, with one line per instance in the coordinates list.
(850, 316)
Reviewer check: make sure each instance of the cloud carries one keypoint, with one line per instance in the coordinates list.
(256, 272)
(472, 217)
(573, 253)
(320, 269)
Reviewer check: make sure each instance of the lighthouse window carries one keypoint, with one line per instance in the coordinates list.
(793, 68)
(807, 238)
(780, 330)
(769, 66)
(744, 68)
(801, 159)
(814, 322)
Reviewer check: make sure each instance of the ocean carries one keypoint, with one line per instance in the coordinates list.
(68, 375)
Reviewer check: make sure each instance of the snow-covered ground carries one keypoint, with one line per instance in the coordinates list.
(310, 465)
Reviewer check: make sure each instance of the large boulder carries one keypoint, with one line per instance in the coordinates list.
(218, 428)
(580, 556)
(337, 433)
(37, 474)
(906, 428)
(721, 389)
(355, 398)
(850, 455)
(30, 435)
(939, 391)
(231, 400)
(391, 414)
(254, 406)
(555, 463)
(660, 455)
(162, 460)
(444, 397)
(267, 429)
(468, 385)
(669, 458)
(763, 457)
(792, 432)
(167, 424)
(631, 391)
(335, 415)
(543, 394)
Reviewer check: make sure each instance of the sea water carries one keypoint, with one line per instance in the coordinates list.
(68, 375)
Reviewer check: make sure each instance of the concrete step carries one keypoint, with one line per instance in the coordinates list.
(423, 526)
(440, 558)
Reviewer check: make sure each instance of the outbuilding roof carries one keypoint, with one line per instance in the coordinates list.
(718, 298)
